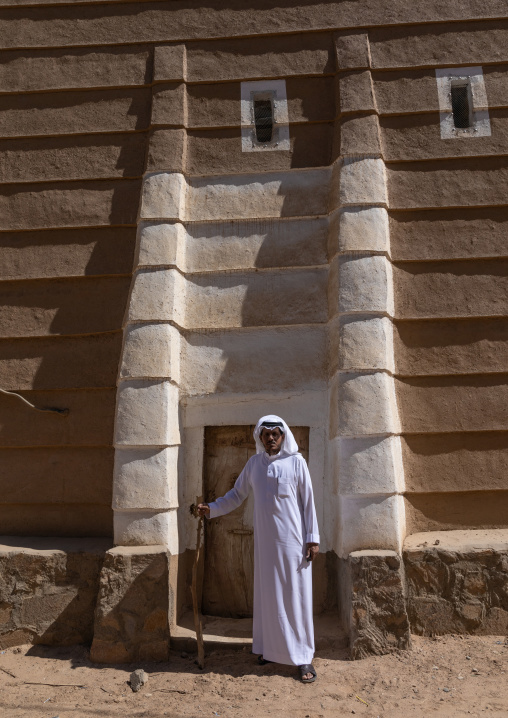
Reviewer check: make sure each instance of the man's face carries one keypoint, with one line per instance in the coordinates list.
(272, 440)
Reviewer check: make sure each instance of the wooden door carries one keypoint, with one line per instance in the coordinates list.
(229, 540)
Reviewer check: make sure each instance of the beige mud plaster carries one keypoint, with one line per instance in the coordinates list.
(371, 522)
(146, 478)
(163, 196)
(151, 351)
(364, 229)
(365, 343)
(365, 284)
(363, 182)
(161, 244)
(221, 361)
(158, 295)
(367, 404)
(146, 414)
(369, 465)
(146, 528)
(269, 194)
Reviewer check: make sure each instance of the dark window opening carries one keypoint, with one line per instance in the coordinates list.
(263, 120)
(462, 105)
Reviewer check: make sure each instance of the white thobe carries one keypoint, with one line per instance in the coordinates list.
(284, 522)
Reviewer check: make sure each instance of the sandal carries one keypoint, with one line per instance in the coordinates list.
(262, 661)
(308, 668)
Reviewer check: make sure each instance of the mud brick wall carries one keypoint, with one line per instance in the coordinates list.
(448, 219)
(73, 127)
(85, 112)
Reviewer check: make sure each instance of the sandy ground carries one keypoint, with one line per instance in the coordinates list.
(450, 676)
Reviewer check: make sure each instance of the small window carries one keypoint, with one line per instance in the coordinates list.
(263, 119)
(264, 112)
(462, 104)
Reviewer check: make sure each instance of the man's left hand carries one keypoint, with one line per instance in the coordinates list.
(312, 551)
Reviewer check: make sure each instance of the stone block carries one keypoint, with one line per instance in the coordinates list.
(356, 92)
(48, 589)
(107, 110)
(366, 284)
(465, 182)
(365, 342)
(163, 196)
(70, 362)
(370, 465)
(378, 621)
(73, 204)
(363, 181)
(68, 253)
(151, 351)
(169, 104)
(146, 479)
(224, 300)
(260, 243)
(80, 158)
(170, 62)
(352, 50)
(456, 582)
(132, 615)
(89, 422)
(371, 522)
(62, 69)
(263, 194)
(147, 414)
(220, 362)
(360, 135)
(91, 305)
(157, 294)
(57, 473)
(160, 244)
(167, 150)
(364, 230)
(241, 58)
(146, 528)
(367, 404)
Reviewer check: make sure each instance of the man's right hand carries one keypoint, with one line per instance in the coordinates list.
(203, 509)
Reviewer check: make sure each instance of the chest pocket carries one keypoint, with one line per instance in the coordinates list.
(286, 486)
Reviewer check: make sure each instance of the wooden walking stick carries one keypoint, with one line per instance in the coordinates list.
(194, 588)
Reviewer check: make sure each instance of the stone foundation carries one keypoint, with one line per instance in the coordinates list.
(69, 591)
(377, 618)
(48, 589)
(132, 615)
(63, 592)
(457, 582)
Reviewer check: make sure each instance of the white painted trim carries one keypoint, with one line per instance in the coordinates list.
(280, 138)
(481, 121)
(193, 443)
(307, 408)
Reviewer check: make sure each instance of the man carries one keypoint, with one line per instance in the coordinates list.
(286, 541)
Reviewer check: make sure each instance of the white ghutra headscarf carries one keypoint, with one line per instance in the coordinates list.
(289, 445)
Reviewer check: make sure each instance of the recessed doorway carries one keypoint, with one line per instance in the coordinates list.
(229, 540)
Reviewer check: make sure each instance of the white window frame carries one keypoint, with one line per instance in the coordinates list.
(275, 90)
(473, 76)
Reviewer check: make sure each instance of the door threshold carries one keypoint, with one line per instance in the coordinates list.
(236, 633)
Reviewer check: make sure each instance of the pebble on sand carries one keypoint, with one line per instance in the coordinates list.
(138, 679)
